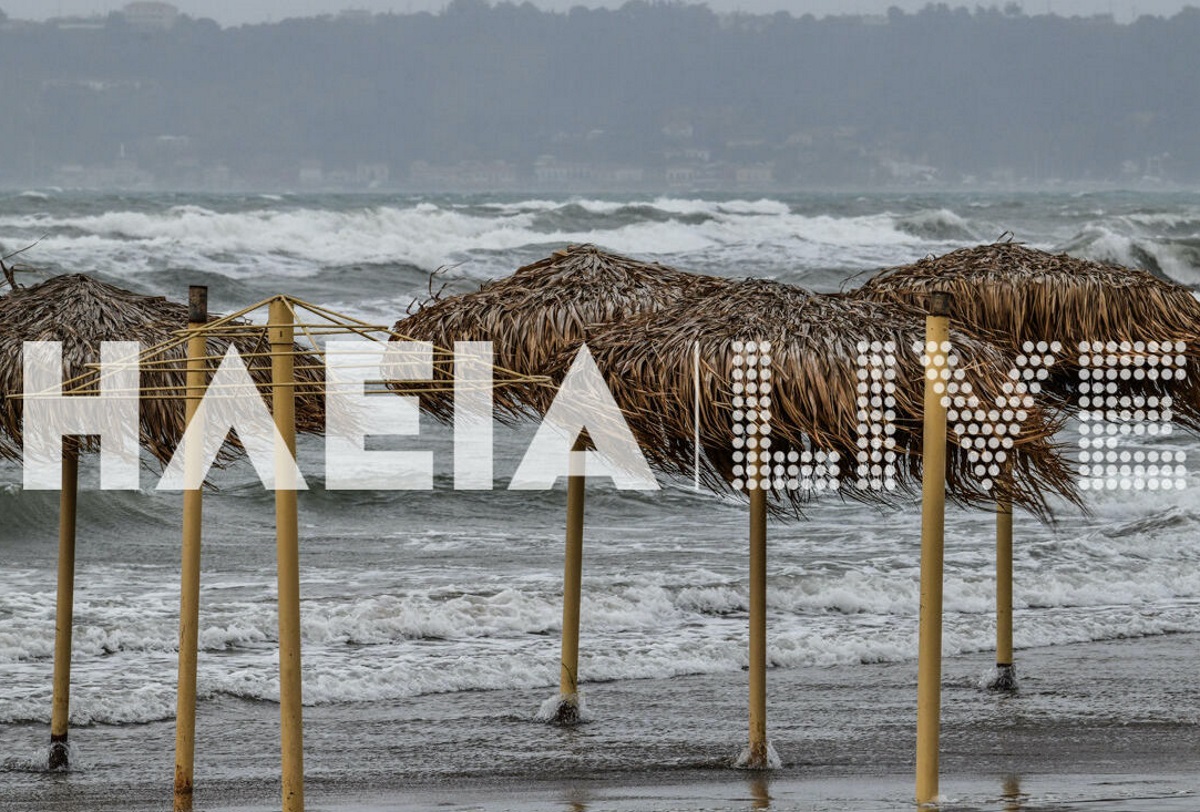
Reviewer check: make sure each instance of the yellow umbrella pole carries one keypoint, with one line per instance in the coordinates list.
(189, 578)
(568, 712)
(1005, 678)
(757, 757)
(64, 611)
(282, 334)
(933, 520)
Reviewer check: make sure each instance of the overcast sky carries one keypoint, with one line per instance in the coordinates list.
(236, 12)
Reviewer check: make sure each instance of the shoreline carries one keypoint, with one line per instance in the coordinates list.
(1119, 738)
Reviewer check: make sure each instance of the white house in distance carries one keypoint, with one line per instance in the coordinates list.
(150, 14)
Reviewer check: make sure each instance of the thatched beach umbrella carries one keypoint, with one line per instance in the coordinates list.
(81, 313)
(821, 349)
(1017, 296)
(543, 309)
(546, 307)
(1118, 320)
(765, 387)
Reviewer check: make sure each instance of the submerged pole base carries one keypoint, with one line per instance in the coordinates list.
(60, 752)
(183, 803)
(566, 714)
(758, 757)
(1003, 679)
(564, 710)
(183, 791)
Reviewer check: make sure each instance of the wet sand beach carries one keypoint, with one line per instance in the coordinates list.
(1095, 726)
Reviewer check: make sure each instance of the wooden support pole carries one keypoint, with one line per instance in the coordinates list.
(65, 608)
(933, 520)
(568, 712)
(189, 577)
(281, 328)
(1005, 678)
(758, 756)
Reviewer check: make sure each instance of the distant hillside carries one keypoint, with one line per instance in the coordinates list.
(652, 94)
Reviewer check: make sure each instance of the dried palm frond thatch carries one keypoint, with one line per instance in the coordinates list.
(1016, 295)
(547, 307)
(817, 347)
(82, 312)
(10, 277)
(10, 269)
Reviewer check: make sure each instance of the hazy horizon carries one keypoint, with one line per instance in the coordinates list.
(652, 96)
(239, 12)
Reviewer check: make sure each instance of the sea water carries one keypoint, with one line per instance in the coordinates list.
(430, 620)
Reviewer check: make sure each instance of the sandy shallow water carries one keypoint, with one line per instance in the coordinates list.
(1096, 726)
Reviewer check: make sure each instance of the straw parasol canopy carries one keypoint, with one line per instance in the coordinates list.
(819, 349)
(82, 312)
(1017, 296)
(545, 308)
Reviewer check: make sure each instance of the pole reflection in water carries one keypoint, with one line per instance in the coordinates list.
(576, 800)
(1010, 793)
(760, 787)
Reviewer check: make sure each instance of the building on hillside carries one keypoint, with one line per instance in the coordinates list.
(150, 15)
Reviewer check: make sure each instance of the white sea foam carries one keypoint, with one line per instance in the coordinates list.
(412, 640)
(548, 710)
(936, 224)
(523, 206)
(773, 760)
(476, 604)
(300, 242)
(1183, 216)
(1104, 243)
